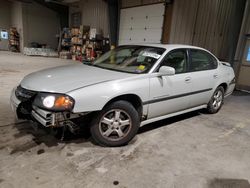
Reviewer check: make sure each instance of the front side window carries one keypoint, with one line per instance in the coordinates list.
(131, 59)
(201, 60)
(176, 59)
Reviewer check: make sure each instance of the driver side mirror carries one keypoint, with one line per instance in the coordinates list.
(166, 71)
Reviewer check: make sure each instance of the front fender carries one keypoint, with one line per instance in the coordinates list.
(94, 97)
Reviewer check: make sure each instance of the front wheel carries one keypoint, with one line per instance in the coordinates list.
(115, 125)
(216, 101)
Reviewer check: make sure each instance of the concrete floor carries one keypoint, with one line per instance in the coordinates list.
(194, 150)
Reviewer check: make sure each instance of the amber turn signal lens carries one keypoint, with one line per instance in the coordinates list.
(63, 102)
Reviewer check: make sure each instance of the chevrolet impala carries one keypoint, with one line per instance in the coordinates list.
(125, 88)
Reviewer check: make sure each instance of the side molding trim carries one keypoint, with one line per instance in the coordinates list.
(175, 96)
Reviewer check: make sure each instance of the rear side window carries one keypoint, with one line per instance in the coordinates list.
(201, 60)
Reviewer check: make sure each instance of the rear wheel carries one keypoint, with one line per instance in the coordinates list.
(216, 101)
(116, 124)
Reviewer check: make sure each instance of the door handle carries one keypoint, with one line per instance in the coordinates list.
(215, 75)
(187, 79)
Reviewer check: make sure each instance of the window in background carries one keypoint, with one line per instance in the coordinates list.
(248, 55)
(4, 35)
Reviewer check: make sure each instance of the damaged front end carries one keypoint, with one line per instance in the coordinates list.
(48, 109)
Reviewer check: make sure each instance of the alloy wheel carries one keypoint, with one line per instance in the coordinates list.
(115, 124)
(217, 99)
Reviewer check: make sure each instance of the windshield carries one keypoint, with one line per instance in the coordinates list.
(131, 59)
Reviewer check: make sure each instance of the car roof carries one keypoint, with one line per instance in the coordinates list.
(167, 46)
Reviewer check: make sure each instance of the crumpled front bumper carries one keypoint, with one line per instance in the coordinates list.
(46, 118)
(21, 102)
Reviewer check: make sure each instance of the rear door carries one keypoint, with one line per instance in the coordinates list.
(204, 75)
(169, 94)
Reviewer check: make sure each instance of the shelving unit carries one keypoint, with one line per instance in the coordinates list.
(14, 38)
(76, 44)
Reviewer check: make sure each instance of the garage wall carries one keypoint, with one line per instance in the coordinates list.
(203, 23)
(73, 8)
(242, 66)
(35, 23)
(245, 29)
(4, 22)
(183, 21)
(133, 3)
(213, 24)
(17, 20)
(93, 13)
(130, 3)
(40, 24)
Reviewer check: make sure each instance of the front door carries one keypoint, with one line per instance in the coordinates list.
(169, 94)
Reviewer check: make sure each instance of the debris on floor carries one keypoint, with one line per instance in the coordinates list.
(46, 52)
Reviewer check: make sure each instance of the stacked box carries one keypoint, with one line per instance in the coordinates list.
(75, 31)
(85, 43)
(14, 40)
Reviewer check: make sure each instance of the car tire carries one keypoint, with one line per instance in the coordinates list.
(216, 100)
(115, 125)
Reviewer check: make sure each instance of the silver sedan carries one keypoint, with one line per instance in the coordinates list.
(126, 88)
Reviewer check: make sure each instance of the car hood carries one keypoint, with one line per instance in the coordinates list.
(67, 78)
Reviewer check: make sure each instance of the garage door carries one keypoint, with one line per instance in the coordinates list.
(141, 24)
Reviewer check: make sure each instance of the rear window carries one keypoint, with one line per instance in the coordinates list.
(201, 60)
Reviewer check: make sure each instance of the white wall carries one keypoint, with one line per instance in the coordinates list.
(40, 25)
(34, 22)
(4, 22)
